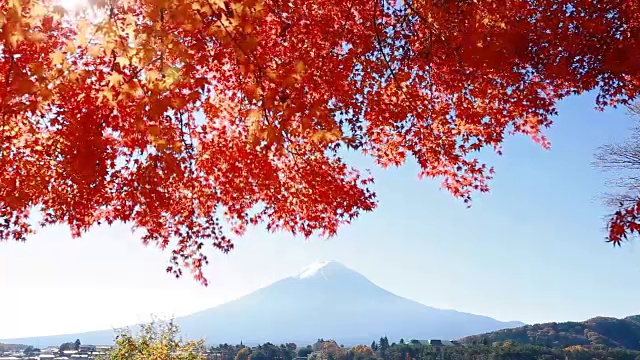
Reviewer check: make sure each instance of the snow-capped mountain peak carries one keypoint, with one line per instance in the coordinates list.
(316, 268)
(325, 300)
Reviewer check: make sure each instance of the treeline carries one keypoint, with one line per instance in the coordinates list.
(267, 351)
(162, 341)
(499, 351)
(413, 350)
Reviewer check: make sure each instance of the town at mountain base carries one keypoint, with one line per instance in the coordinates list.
(325, 300)
(172, 348)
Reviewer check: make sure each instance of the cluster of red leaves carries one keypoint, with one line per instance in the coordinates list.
(181, 116)
(625, 222)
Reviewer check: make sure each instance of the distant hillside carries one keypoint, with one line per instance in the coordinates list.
(12, 347)
(604, 331)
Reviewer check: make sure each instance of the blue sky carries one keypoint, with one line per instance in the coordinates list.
(532, 249)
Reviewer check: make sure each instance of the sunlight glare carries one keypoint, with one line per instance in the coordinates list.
(72, 5)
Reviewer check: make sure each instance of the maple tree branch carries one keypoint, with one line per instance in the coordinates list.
(139, 70)
(188, 144)
(163, 49)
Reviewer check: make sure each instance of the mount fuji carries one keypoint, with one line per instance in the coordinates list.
(325, 300)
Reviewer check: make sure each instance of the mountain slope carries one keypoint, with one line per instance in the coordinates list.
(326, 300)
(609, 332)
(330, 301)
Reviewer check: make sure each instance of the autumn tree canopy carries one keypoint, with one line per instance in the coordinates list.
(184, 118)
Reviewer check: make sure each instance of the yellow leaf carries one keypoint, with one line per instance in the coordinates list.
(318, 136)
(109, 46)
(132, 89)
(94, 51)
(115, 79)
(219, 3)
(254, 115)
(123, 61)
(172, 74)
(300, 67)
(38, 10)
(258, 7)
(57, 58)
(253, 120)
(15, 37)
(17, 5)
(334, 134)
(106, 93)
(152, 75)
(81, 39)
(70, 47)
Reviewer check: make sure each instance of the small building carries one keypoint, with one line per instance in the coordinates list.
(86, 348)
(419, 342)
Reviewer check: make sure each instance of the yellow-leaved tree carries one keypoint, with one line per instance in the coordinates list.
(157, 340)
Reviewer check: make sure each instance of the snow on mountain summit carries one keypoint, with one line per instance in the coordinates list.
(314, 269)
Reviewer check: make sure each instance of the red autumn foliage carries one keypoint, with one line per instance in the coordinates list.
(179, 116)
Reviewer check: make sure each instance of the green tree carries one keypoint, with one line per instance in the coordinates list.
(76, 345)
(66, 347)
(384, 343)
(304, 352)
(288, 351)
(156, 340)
(259, 355)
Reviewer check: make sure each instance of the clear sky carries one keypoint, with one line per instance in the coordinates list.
(532, 250)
